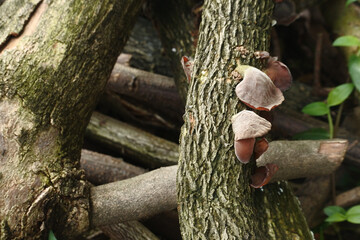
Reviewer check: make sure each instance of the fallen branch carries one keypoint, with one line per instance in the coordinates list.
(307, 158)
(135, 198)
(348, 198)
(141, 146)
(101, 168)
(156, 91)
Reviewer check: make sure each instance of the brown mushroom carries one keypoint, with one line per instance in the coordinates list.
(279, 73)
(257, 90)
(263, 175)
(260, 147)
(247, 125)
(244, 149)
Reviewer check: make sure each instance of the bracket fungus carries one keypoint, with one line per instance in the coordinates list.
(247, 125)
(263, 175)
(279, 73)
(258, 91)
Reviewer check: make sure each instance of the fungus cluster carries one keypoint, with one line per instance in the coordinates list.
(260, 91)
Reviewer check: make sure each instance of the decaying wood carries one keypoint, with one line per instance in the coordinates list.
(55, 59)
(308, 158)
(135, 198)
(128, 230)
(348, 198)
(153, 90)
(100, 168)
(141, 146)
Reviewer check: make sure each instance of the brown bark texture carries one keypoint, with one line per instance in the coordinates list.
(142, 147)
(100, 168)
(135, 198)
(214, 196)
(55, 59)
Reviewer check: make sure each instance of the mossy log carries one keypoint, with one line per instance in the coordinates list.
(55, 59)
(138, 145)
(215, 199)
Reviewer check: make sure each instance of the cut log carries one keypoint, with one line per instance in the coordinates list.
(308, 158)
(135, 198)
(101, 168)
(141, 146)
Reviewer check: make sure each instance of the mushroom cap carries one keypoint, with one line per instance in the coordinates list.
(260, 147)
(244, 149)
(247, 124)
(279, 73)
(257, 90)
(263, 175)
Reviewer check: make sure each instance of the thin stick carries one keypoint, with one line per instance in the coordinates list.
(317, 63)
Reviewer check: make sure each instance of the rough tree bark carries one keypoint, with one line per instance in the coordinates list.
(55, 59)
(214, 196)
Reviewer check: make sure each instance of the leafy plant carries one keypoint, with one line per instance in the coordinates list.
(339, 214)
(337, 96)
(354, 60)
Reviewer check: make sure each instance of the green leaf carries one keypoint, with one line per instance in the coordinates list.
(348, 2)
(331, 210)
(346, 41)
(339, 94)
(316, 109)
(336, 217)
(51, 235)
(353, 214)
(353, 218)
(312, 134)
(353, 210)
(354, 70)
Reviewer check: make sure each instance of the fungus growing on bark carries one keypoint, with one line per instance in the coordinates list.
(257, 90)
(263, 175)
(260, 147)
(279, 73)
(261, 54)
(247, 125)
(187, 65)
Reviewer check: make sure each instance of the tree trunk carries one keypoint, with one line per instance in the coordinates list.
(55, 59)
(214, 196)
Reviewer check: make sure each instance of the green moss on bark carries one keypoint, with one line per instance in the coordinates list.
(50, 80)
